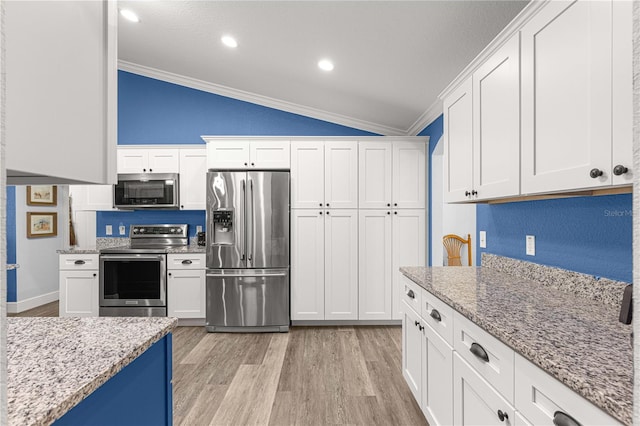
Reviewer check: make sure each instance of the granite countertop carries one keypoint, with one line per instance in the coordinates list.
(577, 340)
(54, 363)
(191, 248)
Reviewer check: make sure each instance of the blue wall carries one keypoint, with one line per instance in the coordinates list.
(12, 290)
(592, 235)
(156, 112)
(192, 218)
(434, 131)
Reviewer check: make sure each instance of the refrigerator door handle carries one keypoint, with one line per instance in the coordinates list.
(252, 230)
(281, 274)
(244, 192)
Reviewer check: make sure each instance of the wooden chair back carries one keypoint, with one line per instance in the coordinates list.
(453, 244)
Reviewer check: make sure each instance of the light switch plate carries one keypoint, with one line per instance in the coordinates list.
(121, 229)
(108, 229)
(531, 245)
(198, 228)
(483, 239)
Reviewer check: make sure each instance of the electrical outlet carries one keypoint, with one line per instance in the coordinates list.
(122, 229)
(108, 229)
(198, 228)
(531, 245)
(483, 239)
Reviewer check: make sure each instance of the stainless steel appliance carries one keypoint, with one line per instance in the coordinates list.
(247, 250)
(146, 191)
(133, 279)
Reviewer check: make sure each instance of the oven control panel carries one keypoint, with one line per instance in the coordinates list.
(157, 231)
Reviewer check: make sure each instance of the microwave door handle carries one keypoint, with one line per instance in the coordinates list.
(244, 213)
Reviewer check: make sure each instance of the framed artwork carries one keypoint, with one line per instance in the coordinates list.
(42, 195)
(42, 224)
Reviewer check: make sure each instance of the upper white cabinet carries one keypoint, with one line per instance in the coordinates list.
(91, 197)
(247, 154)
(193, 176)
(61, 120)
(324, 174)
(392, 174)
(150, 160)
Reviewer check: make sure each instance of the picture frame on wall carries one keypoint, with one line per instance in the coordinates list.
(42, 224)
(42, 195)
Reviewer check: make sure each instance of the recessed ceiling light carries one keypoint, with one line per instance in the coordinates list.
(325, 65)
(130, 15)
(229, 41)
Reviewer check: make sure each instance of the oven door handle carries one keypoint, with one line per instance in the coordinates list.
(133, 256)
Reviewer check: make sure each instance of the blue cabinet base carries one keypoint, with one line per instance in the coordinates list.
(140, 394)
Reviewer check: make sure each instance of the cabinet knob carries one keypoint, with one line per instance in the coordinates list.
(144, 170)
(395, 204)
(620, 170)
(327, 213)
(181, 206)
(388, 204)
(169, 274)
(388, 212)
(253, 164)
(187, 262)
(395, 212)
(246, 164)
(467, 193)
(502, 416)
(563, 419)
(411, 294)
(474, 192)
(595, 173)
(94, 274)
(150, 170)
(321, 213)
(320, 204)
(79, 262)
(327, 204)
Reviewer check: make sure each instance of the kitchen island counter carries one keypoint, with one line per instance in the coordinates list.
(55, 363)
(577, 340)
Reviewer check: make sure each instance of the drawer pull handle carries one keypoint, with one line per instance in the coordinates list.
(502, 416)
(563, 419)
(187, 262)
(435, 315)
(479, 351)
(79, 262)
(411, 294)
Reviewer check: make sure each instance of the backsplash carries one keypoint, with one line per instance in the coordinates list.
(588, 286)
(193, 218)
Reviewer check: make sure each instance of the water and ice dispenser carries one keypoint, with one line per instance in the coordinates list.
(223, 227)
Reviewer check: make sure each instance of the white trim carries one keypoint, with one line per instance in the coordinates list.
(295, 323)
(512, 28)
(426, 118)
(254, 98)
(33, 302)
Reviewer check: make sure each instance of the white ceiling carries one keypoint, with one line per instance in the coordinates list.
(392, 58)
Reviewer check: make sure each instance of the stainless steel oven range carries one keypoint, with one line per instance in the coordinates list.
(133, 279)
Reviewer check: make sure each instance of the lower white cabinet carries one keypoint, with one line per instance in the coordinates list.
(78, 285)
(437, 387)
(412, 349)
(186, 281)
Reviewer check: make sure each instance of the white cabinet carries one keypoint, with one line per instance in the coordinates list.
(375, 286)
(61, 120)
(569, 67)
(324, 264)
(437, 371)
(149, 160)
(412, 348)
(91, 197)
(78, 285)
(193, 177)
(247, 154)
(409, 239)
(392, 174)
(475, 401)
(324, 174)
(186, 281)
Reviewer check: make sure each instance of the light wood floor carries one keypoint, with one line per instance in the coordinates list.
(309, 376)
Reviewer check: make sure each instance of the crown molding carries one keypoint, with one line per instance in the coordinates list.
(426, 118)
(254, 98)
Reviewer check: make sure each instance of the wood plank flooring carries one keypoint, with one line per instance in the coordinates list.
(309, 376)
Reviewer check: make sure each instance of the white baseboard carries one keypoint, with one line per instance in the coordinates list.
(344, 322)
(33, 302)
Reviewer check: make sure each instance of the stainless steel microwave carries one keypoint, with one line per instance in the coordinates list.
(146, 191)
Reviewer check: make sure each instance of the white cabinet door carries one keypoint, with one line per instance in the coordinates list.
(341, 175)
(133, 161)
(412, 346)
(409, 239)
(496, 124)
(341, 265)
(409, 175)
(91, 197)
(163, 160)
(475, 402)
(458, 140)
(79, 293)
(269, 154)
(186, 293)
(193, 175)
(307, 174)
(375, 176)
(232, 154)
(566, 97)
(437, 383)
(307, 265)
(374, 287)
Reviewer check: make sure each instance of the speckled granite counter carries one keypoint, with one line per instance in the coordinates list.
(576, 340)
(191, 248)
(54, 363)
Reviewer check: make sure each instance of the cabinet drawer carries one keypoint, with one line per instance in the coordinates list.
(497, 367)
(411, 293)
(438, 315)
(541, 397)
(78, 261)
(186, 261)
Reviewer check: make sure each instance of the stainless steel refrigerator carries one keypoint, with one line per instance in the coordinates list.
(247, 246)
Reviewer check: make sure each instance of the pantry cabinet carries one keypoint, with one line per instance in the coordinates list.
(324, 174)
(186, 283)
(78, 285)
(193, 178)
(409, 240)
(247, 154)
(148, 160)
(375, 277)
